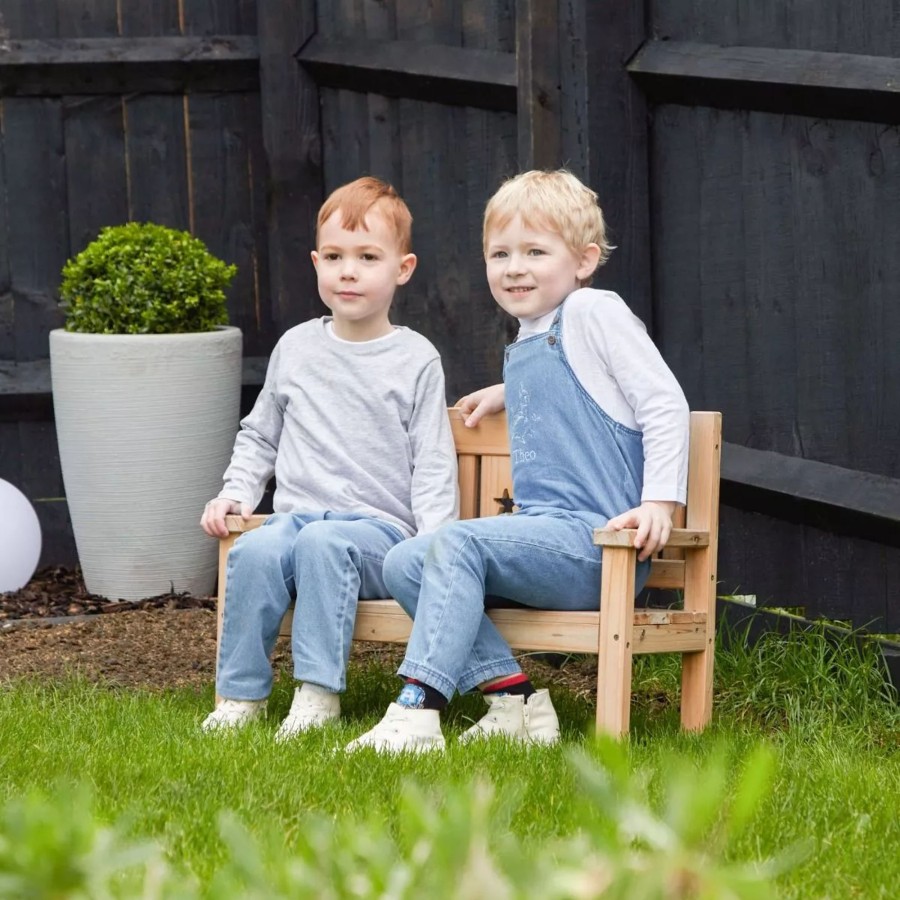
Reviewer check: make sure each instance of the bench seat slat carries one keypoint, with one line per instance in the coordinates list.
(655, 630)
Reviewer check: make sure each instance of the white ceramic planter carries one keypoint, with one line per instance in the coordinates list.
(145, 425)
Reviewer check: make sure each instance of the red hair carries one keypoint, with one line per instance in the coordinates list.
(355, 199)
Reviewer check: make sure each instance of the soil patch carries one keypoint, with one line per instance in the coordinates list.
(53, 628)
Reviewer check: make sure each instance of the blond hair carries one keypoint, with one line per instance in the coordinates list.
(355, 199)
(555, 201)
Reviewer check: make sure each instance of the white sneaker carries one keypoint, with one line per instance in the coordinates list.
(541, 721)
(509, 715)
(312, 707)
(403, 730)
(233, 714)
(505, 716)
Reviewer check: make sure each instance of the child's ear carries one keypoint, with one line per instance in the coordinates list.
(588, 260)
(407, 267)
(315, 258)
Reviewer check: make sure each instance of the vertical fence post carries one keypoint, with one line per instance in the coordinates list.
(537, 57)
(292, 140)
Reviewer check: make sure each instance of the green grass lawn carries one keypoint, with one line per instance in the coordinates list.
(822, 706)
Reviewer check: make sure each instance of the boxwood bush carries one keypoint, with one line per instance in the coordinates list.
(145, 279)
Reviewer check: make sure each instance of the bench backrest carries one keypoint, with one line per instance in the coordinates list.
(485, 481)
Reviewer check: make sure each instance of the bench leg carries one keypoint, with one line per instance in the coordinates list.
(225, 544)
(696, 689)
(616, 626)
(697, 668)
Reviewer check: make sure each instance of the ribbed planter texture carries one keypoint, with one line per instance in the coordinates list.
(145, 425)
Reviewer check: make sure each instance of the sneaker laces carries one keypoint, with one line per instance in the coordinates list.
(230, 709)
(232, 713)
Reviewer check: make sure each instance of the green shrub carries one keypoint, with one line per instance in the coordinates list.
(145, 279)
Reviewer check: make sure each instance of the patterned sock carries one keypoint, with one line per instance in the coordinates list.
(515, 684)
(416, 695)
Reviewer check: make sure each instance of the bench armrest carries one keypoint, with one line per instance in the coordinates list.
(237, 524)
(680, 537)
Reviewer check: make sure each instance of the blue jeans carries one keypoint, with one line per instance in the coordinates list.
(327, 561)
(540, 558)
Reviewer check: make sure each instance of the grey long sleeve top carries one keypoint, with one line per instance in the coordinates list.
(352, 428)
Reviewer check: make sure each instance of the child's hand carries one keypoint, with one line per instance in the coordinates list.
(481, 403)
(213, 519)
(653, 520)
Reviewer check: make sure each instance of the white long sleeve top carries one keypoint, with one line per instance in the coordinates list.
(351, 427)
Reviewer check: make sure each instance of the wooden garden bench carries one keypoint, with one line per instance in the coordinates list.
(617, 630)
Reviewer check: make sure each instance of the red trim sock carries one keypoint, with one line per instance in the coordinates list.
(519, 684)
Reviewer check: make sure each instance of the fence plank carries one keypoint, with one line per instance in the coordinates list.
(434, 179)
(474, 357)
(88, 18)
(846, 501)
(41, 481)
(31, 380)
(157, 166)
(155, 129)
(538, 77)
(675, 162)
(618, 151)
(10, 453)
(802, 82)
(819, 571)
(344, 112)
(573, 96)
(38, 238)
(431, 72)
(223, 196)
(29, 461)
(150, 17)
(384, 135)
(97, 186)
(263, 336)
(27, 19)
(7, 301)
(765, 340)
(219, 16)
(291, 136)
(44, 68)
(823, 419)
(845, 27)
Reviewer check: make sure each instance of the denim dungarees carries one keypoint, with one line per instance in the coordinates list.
(574, 468)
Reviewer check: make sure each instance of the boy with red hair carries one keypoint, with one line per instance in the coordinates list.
(352, 421)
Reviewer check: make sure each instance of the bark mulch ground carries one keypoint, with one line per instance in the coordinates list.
(53, 627)
(58, 592)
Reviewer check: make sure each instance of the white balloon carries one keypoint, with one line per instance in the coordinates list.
(20, 538)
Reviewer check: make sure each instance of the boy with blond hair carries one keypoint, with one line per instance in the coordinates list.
(352, 421)
(598, 432)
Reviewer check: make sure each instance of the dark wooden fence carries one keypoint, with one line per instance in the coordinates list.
(774, 172)
(747, 157)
